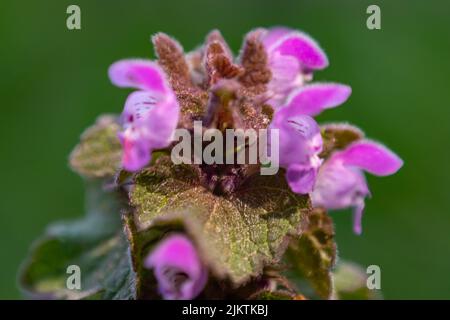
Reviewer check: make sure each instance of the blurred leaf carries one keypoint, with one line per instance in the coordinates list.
(235, 234)
(337, 136)
(350, 283)
(99, 152)
(95, 243)
(312, 256)
(273, 295)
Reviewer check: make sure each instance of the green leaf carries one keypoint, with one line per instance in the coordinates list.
(99, 152)
(312, 256)
(273, 295)
(337, 136)
(236, 234)
(350, 283)
(95, 243)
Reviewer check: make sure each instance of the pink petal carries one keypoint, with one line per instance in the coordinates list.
(140, 74)
(358, 211)
(162, 122)
(313, 99)
(370, 156)
(136, 151)
(149, 124)
(301, 178)
(299, 137)
(338, 186)
(177, 255)
(304, 48)
(273, 35)
(137, 106)
(285, 76)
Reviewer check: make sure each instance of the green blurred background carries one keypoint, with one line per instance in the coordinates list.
(53, 84)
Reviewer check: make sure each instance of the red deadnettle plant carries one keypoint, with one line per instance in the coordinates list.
(155, 229)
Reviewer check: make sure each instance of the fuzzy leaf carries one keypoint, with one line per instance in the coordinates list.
(99, 152)
(95, 243)
(350, 283)
(237, 234)
(255, 62)
(312, 256)
(273, 295)
(338, 136)
(219, 65)
(172, 60)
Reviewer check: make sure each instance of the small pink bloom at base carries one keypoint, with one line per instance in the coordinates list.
(178, 268)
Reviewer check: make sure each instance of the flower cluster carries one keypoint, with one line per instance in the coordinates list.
(267, 86)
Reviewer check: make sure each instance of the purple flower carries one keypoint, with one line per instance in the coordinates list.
(292, 56)
(299, 146)
(341, 183)
(150, 115)
(300, 140)
(177, 267)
